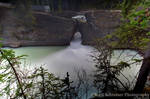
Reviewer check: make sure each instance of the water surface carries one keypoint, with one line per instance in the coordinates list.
(60, 60)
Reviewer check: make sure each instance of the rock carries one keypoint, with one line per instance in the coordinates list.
(12, 44)
(66, 14)
(99, 24)
(51, 30)
(57, 28)
(89, 33)
(48, 30)
(80, 18)
(15, 44)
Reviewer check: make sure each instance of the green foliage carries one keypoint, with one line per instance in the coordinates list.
(134, 30)
(8, 77)
(131, 36)
(100, 4)
(128, 5)
(17, 82)
(43, 84)
(106, 74)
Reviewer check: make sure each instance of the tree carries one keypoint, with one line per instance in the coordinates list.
(137, 18)
(144, 72)
(142, 22)
(38, 83)
(9, 73)
(106, 75)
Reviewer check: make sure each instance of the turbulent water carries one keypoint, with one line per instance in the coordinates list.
(60, 60)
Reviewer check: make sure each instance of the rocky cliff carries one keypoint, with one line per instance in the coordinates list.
(47, 30)
(99, 24)
(56, 28)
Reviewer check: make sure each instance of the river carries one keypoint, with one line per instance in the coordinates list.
(62, 59)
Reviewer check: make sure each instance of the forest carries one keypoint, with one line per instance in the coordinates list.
(74, 4)
(105, 26)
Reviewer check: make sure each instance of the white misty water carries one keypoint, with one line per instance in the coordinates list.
(59, 60)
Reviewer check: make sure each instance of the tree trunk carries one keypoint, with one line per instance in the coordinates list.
(143, 74)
